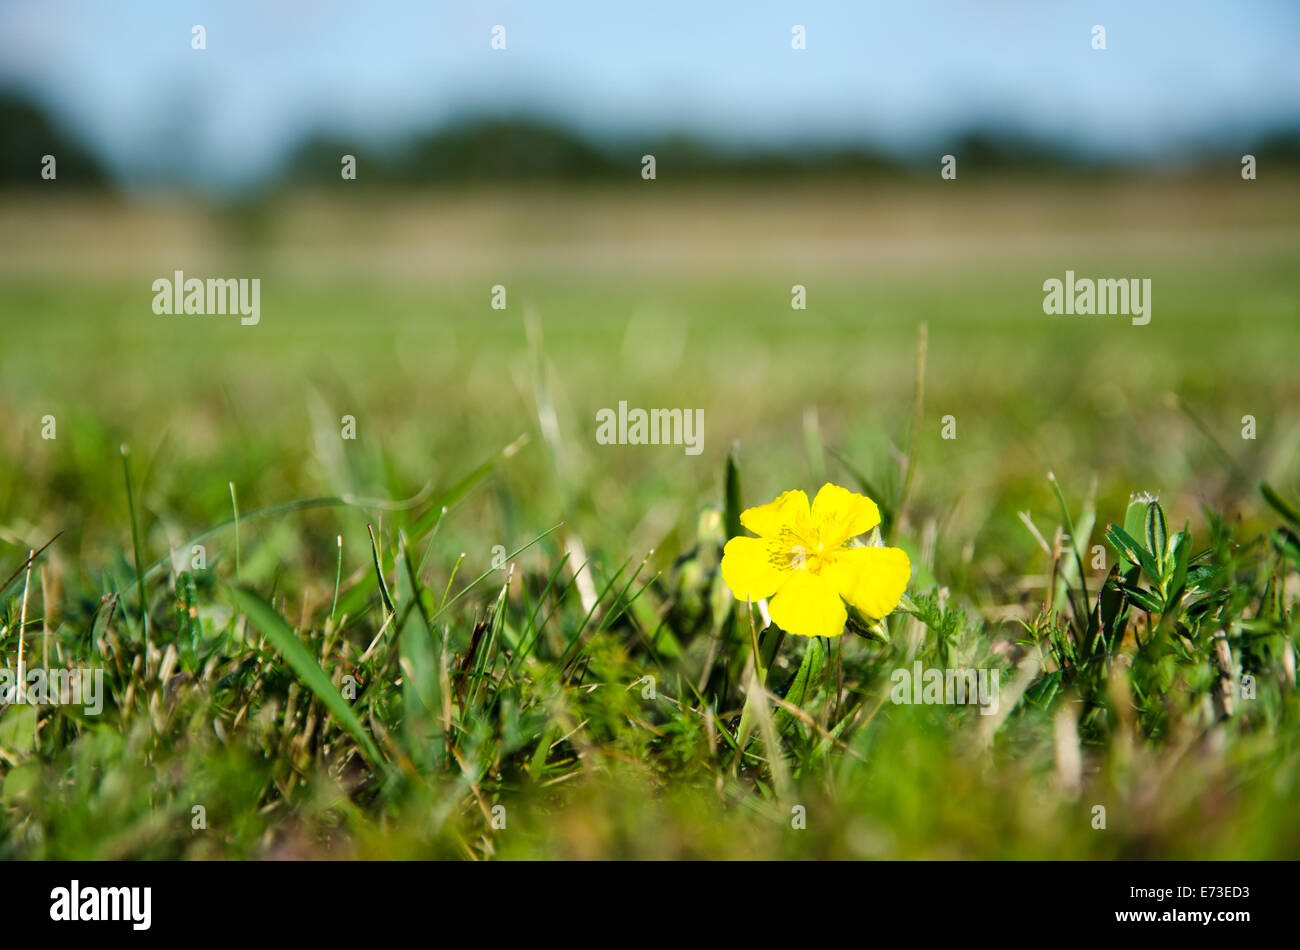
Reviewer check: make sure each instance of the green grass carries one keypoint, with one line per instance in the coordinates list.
(384, 704)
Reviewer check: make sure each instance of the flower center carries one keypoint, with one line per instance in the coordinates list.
(799, 548)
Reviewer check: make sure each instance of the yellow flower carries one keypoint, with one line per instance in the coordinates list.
(801, 556)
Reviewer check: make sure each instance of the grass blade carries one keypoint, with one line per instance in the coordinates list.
(286, 642)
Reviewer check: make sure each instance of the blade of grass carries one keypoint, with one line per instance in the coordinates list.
(23, 566)
(733, 503)
(286, 642)
(338, 576)
(135, 544)
(234, 507)
(476, 581)
(379, 572)
(918, 405)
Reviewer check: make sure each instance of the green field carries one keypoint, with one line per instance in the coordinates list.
(477, 687)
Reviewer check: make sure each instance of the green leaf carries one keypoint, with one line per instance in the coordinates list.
(1285, 508)
(18, 728)
(355, 599)
(290, 648)
(769, 641)
(1134, 553)
(1177, 586)
(379, 572)
(864, 626)
(1157, 532)
(1180, 552)
(733, 503)
(1111, 602)
(1135, 516)
(807, 682)
(1288, 544)
(1142, 598)
(22, 781)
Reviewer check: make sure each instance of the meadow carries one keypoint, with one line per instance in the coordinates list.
(474, 631)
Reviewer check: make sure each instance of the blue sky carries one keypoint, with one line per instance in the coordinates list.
(896, 74)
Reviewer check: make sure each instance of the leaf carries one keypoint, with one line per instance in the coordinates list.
(355, 599)
(864, 626)
(1157, 532)
(22, 781)
(1134, 524)
(1073, 570)
(1110, 603)
(1180, 549)
(23, 566)
(1142, 598)
(1288, 544)
(421, 688)
(807, 682)
(18, 728)
(769, 641)
(1285, 508)
(733, 503)
(1133, 552)
(1177, 586)
(290, 648)
(379, 573)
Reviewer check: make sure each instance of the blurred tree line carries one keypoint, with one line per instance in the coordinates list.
(501, 150)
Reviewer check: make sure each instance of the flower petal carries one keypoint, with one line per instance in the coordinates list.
(788, 511)
(808, 605)
(871, 579)
(752, 568)
(839, 514)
